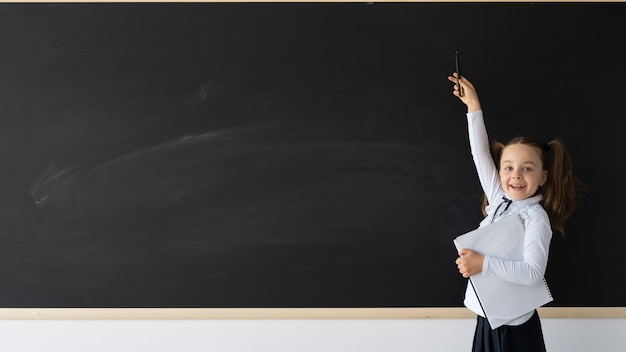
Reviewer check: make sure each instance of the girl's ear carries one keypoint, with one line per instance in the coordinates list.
(544, 177)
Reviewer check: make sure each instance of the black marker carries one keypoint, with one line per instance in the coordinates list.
(458, 72)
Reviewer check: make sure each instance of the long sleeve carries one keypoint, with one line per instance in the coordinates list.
(481, 154)
(531, 270)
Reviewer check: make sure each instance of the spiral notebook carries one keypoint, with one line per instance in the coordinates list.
(502, 301)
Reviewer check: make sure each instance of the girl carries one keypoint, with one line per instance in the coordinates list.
(516, 178)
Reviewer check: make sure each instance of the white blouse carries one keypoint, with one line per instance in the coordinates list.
(538, 233)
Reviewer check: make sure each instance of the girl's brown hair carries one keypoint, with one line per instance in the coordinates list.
(561, 192)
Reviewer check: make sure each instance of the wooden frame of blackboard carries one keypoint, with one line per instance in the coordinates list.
(288, 313)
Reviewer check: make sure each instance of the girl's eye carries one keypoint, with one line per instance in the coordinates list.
(528, 169)
(508, 168)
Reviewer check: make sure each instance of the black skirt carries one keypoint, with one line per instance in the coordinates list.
(527, 337)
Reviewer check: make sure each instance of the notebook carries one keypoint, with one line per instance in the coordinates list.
(502, 301)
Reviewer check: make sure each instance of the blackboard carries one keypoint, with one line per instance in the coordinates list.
(280, 155)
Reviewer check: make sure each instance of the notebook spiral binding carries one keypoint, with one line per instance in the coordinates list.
(545, 283)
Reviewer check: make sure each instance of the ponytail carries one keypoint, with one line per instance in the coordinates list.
(561, 192)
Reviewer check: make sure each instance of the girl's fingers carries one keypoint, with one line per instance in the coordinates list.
(452, 78)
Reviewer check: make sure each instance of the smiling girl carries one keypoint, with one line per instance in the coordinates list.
(533, 180)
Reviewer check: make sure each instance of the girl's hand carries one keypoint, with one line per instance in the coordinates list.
(469, 97)
(469, 262)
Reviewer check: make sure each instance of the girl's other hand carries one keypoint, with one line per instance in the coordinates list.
(469, 262)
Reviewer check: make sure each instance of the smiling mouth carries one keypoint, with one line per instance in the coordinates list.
(517, 186)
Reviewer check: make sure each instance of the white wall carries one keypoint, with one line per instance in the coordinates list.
(440, 335)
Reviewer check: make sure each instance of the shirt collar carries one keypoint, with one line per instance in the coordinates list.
(528, 201)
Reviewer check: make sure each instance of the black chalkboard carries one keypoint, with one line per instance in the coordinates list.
(290, 154)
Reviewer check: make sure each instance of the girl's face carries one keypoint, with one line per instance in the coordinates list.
(521, 171)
